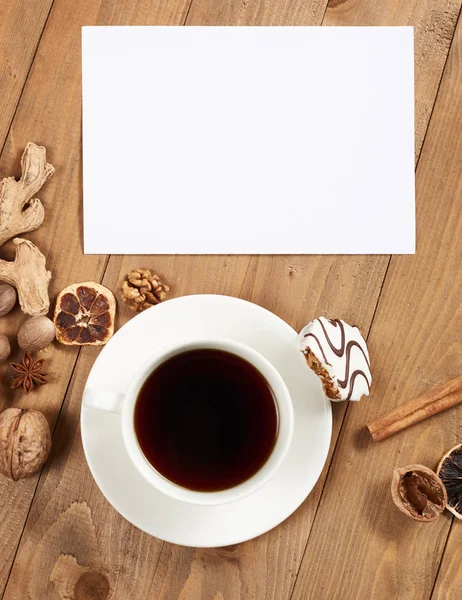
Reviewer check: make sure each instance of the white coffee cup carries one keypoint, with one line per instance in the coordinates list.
(124, 403)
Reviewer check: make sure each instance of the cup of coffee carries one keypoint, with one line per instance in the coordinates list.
(206, 422)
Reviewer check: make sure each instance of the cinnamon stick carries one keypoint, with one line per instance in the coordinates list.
(426, 405)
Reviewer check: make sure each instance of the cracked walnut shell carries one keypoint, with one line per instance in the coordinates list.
(84, 314)
(141, 289)
(418, 492)
(25, 442)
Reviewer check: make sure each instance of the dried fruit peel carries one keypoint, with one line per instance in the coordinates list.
(85, 314)
(450, 472)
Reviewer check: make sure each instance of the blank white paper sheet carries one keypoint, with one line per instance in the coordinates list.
(248, 140)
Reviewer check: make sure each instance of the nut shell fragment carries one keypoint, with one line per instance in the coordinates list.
(85, 314)
(25, 442)
(418, 492)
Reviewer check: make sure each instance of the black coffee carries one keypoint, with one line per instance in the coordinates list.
(206, 420)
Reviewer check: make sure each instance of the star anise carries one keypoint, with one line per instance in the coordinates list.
(28, 373)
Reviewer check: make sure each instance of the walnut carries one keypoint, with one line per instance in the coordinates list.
(418, 492)
(141, 289)
(25, 442)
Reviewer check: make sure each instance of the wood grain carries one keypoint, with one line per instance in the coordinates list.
(296, 288)
(448, 585)
(283, 547)
(257, 12)
(53, 120)
(50, 114)
(415, 343)
(70, 517)
(21, 25)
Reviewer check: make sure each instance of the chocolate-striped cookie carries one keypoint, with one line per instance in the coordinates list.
(338, 354)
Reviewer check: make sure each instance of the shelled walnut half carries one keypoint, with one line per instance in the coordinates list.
(142, 289)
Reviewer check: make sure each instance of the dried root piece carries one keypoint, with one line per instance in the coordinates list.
(85, 314)
(19, 211)
(141, 289)
(27, 273)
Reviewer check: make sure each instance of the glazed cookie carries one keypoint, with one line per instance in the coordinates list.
(337, 353)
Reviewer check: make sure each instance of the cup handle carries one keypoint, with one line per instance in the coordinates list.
(107, 401)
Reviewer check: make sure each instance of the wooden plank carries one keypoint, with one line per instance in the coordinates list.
(196, 573)
(124, 550)
(297, 288)
(448, 584)
(21, 25)
(257, 12)
(300, 288)
(70, 517)
(341, 287)
(415, 343)
(50, 113)
(52, 119)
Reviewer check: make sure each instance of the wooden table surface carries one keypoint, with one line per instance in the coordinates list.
(347, 540)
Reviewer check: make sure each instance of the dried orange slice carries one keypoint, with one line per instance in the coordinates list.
(450, 473)
(84, 314)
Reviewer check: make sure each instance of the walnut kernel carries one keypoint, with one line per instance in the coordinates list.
(141, 289)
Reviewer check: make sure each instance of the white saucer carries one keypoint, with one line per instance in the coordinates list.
(185, 319)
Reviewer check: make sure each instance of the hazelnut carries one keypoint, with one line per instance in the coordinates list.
(5, 348)
(36, 333)
(7, 298)
(25, 442)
